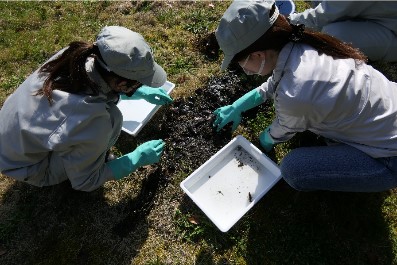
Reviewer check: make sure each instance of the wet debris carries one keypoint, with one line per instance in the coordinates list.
(187, 125)
(244, 158)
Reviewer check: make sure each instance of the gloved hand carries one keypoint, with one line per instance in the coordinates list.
(232, 113)
(157, 96)
(145, 154)
(266, 140)
(227, 114)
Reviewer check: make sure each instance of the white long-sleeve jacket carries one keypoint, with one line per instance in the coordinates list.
(335, 98)
(70, 137)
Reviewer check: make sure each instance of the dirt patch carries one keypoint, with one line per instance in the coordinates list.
(208, 46)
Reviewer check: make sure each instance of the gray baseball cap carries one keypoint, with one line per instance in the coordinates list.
(127, 54)
(242, 24)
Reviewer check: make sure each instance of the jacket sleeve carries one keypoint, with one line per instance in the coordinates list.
(83, 141)
(266, 90)
(290, 104)
(329, 11)
(286, 124)
(290, 119)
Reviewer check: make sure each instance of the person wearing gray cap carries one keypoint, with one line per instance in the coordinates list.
(370, 26)
(61, 121)
(320, 84)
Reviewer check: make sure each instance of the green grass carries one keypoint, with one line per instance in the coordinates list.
(57, 225)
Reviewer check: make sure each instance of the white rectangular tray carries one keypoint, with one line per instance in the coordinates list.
(231, 182)
(136, 113)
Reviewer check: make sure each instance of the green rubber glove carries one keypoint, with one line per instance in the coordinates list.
(266, 140)
(145, 154)
(157, 96)
(232, 113)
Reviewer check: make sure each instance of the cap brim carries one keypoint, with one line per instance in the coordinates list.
(157, 79)
(226, 61)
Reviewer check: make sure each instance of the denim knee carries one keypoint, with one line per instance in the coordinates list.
(291, 170)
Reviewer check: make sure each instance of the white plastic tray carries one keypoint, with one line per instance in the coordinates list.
(136, 113)
(231, 182)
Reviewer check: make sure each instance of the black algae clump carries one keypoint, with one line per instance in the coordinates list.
(187, 125)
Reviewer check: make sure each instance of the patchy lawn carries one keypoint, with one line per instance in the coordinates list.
(146, 218)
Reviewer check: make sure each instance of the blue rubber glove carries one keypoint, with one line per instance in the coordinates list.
(232, 113)
(157, 96)
(266, 140)
(145, 154)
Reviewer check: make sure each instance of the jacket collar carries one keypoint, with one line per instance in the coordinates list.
(96, 77)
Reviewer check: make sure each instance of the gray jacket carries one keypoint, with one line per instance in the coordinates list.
(353, 104)
(381, 12)
(45, 145)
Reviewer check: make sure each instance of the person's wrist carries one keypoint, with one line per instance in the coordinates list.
(134, 158)
(235, 110)
(139, 93)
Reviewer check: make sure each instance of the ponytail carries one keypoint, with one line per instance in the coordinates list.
(68, 73)
(332, 46)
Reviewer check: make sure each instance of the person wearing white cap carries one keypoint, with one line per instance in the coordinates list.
(61, 121)
(370, 26)
(320, 84)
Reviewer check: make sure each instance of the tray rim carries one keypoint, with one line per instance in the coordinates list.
(238, 139)
(150, 114)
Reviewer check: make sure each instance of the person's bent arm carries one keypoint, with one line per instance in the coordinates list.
(329, 11)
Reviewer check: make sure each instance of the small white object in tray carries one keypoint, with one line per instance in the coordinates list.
(136, 113)
(231, 182)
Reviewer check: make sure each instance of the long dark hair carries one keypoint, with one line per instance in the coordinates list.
(281, 32)
(68, 73)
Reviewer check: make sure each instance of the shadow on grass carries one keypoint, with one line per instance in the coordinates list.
(205, 257)
(290, 227)
(58, 225)
(321, 227)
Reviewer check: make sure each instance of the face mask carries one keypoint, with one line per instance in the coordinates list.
(247, 72)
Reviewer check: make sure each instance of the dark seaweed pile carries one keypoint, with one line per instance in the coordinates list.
(187, 126)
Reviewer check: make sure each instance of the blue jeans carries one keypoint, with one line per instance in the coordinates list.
(338, 168)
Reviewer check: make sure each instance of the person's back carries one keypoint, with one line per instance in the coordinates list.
(370, 26)
(61, 122)
(338, 99)
(39, 133)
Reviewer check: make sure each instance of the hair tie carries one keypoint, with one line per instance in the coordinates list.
(297, 32)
